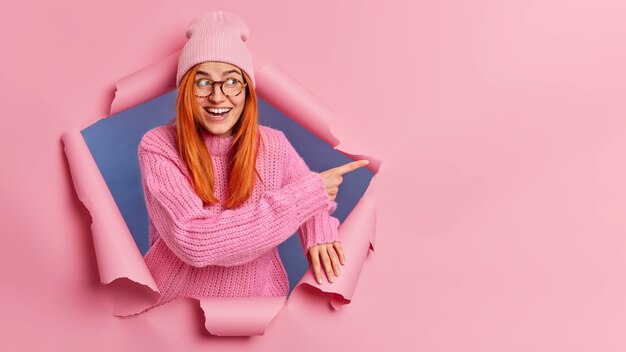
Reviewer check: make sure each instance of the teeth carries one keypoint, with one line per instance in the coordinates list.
(218, 111)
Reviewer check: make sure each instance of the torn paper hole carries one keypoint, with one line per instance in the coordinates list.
(104, 169)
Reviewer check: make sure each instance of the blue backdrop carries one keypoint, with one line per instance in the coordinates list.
(113, 142)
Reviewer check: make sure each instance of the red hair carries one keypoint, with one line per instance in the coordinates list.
(193, 151)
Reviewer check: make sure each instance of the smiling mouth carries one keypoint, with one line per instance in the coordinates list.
(217, 115)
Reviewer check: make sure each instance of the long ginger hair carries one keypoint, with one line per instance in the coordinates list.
(243, 150)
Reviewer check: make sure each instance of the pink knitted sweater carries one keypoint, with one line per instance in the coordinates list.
(199, 250)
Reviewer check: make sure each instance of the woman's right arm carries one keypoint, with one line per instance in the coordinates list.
(200, 237)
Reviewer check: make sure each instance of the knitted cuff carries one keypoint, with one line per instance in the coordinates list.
(309, 196)
(333, 207)
(320, 228)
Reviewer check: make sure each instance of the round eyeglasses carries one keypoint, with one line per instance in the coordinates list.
(230, 87)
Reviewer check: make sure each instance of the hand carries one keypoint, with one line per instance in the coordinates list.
(332, 177)
(331, 255)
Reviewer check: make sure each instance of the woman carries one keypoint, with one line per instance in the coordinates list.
(222, 191)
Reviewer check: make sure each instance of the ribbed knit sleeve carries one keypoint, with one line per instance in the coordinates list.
(321, 227)
(199, 236)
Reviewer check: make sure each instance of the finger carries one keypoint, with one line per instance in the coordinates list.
(327, 264)
(350, 166)
(315, 262)
(334, 259)
(339, 249)
(333, 194)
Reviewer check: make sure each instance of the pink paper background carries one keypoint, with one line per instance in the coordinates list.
(500, 201)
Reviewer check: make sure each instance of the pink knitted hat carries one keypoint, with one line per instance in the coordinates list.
(216, 36)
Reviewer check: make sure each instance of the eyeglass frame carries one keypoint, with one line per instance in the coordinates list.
(212, 84)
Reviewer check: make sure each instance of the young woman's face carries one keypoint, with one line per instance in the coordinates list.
(212, 71)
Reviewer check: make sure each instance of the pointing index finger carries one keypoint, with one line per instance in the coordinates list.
(351, 166)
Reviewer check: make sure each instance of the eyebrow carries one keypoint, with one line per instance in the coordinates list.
(223, 74)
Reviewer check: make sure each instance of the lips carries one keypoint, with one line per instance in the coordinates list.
(216, 117)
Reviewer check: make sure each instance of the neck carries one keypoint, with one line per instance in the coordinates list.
(217, 145)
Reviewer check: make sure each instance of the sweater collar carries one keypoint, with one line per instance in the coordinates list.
(217, 145)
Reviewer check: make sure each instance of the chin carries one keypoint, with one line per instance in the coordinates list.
(218, 131)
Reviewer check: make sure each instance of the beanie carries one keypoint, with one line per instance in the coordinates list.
(216, 36)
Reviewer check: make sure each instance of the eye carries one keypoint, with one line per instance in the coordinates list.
(231, 82)
(202, 82)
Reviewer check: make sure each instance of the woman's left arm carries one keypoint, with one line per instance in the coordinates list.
(319, 234)
(321, 227)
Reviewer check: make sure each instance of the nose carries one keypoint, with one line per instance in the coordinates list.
(217, 95)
